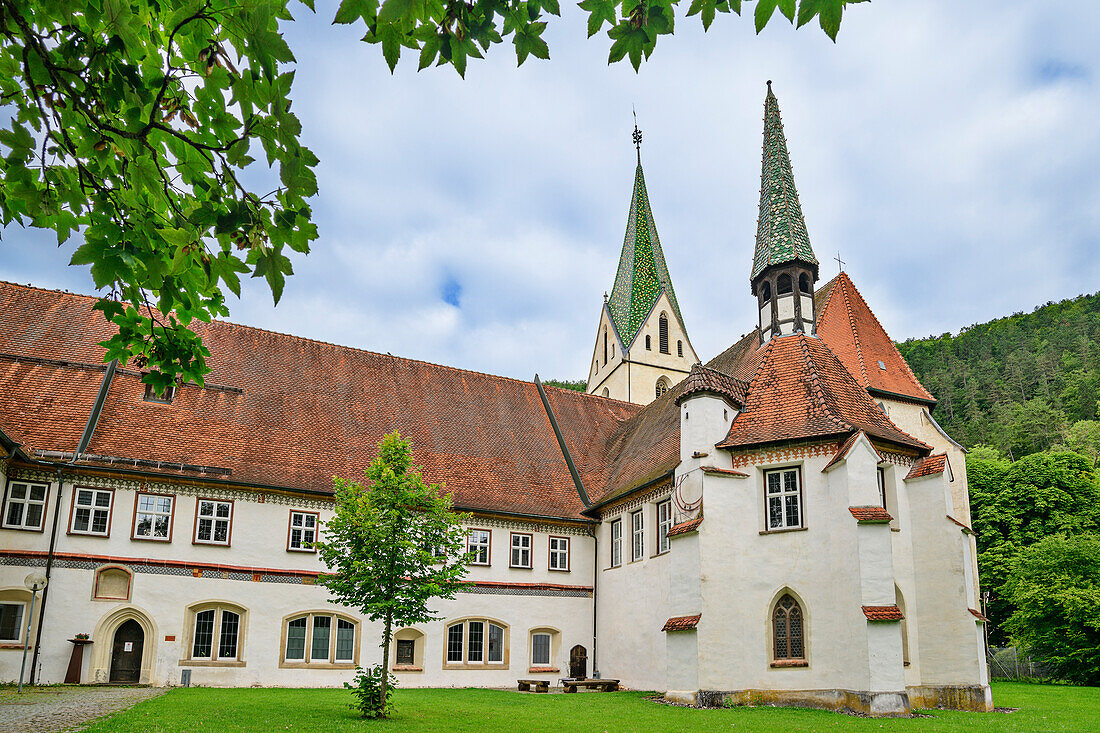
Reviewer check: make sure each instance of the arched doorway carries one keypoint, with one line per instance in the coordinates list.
(578, 662)
(126, 652)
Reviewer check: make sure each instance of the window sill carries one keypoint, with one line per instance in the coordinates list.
(480, 565)
(302, 550)
(406, 668)
(476, 665)
(74, 533)
(150, 539)
(212, 663)
(25, 529)
(783, 530)
(210, 544)
(659, 554)
(315, 665)
(558, 570)
(787, 663)
(520, 567)
(13, 645)
(543, 670)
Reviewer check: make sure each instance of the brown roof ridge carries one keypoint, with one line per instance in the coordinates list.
(844, 282)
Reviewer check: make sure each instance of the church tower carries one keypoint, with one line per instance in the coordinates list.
(642, 346)
(784, 269)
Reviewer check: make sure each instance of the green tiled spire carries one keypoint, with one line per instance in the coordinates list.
(781, 231)
(642, 272)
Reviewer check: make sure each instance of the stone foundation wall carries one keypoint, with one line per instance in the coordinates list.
(850, 701)
(975, 698)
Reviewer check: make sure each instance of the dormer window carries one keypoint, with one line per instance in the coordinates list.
(882, 365)
(164, 397)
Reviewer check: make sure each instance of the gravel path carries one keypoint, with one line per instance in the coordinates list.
(51, 709)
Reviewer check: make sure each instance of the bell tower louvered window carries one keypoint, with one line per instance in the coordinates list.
(663, 326)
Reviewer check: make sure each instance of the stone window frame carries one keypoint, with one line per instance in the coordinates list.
(553, 652)
(307, 661)
(418, 639)
(777, 662)
(25, 501)
(191, 614)
(485, 663)
(17, 599)
(112, 599)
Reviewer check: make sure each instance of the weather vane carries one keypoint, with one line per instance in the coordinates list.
(637, 135)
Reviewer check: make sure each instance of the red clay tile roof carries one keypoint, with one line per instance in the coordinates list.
(685, 527)
(847, 325)
(882, 613)
(801, 390)
(977, 614)
(682, 623)
(724, 471)
(870, 514)
(305, 411)
(706, 380)
(928, 466)
(845, 447)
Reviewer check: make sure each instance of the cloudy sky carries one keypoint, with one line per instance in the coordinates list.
(949, 152)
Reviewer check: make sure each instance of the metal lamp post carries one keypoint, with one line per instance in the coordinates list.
(34, 582)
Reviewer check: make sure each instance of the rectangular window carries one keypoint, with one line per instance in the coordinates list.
(664, 524)
(204, 635)
(345, 640)
(212, 521)
(454, 643)
(303, 531)
(521, 550)
(227, 638)
(882, 487)
(477, 542)
(637, 536)
(559, 553)
(540, 650)
(322, 626)
(616, 543)
(296, 640)
(406, 649)
(474, 653)
(496, 643)
(91, 511)
(165, 396)
(11, 623)
(784, 498)
(153, 517)
(25, 505)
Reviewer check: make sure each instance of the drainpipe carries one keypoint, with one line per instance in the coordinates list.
(595, 587)
(85, 439)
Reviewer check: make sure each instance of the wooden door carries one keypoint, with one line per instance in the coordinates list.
(578, 663)
(126, 652)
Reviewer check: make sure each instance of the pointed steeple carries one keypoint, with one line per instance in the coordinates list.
(781, 230)
(642, 271)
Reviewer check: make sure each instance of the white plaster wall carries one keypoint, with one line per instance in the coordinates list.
(704, 421)
(602, 375)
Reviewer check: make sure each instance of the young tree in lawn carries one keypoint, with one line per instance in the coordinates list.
(392, 547)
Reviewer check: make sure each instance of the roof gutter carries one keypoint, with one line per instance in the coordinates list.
(931, 404)
(561, 444)
(85, 439)
(599, 505)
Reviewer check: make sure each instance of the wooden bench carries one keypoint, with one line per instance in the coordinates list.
(600, 685)
(539, 685)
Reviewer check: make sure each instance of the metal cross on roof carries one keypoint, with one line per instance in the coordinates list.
(840, 263)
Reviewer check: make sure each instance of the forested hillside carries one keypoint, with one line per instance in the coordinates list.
(1024, 383)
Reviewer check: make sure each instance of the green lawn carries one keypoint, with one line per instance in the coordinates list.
(1041, 708)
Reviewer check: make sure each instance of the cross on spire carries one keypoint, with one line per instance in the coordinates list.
(839, 262)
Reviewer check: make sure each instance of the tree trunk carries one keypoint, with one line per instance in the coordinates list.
(386, 664)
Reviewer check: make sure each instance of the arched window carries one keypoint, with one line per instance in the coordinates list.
(612, 351)
(544, 645)
(766, 292)
(648, 343)
(787, 629)
(605, 347)
(662, 386)
(662, 327)
(680, 349)
(112, 583)
(606, 392)
(215, 633)
(320, 639)
(804, 284)
(408, 651)
(783, 285)
(473, 643)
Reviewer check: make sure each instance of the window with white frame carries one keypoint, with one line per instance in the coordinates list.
(303, 531)
(784, 496)
(477, 542)
(521, 550)
(320, 639)
(216, 633)
(213, 520)
(11, 622)
(882, 487)
(559, 553)
(540, 649)
(476, 641)
(664, 524)
(616, 543)
(637, 536)
(25, 505)
(91, 511)
(153, 517)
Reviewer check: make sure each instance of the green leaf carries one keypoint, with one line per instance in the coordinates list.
(394, 10)
(764, 11)
(787, 7)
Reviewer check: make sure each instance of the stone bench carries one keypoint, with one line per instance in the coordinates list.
(601, 685)
(539, 685)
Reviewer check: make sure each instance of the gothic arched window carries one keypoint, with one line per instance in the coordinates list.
(662, 386)
(605, 347)
(606, 392)
(680, 349)
(804, 284)
(787, 628)
(783, 284)
(663, 330)
(648, 343)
